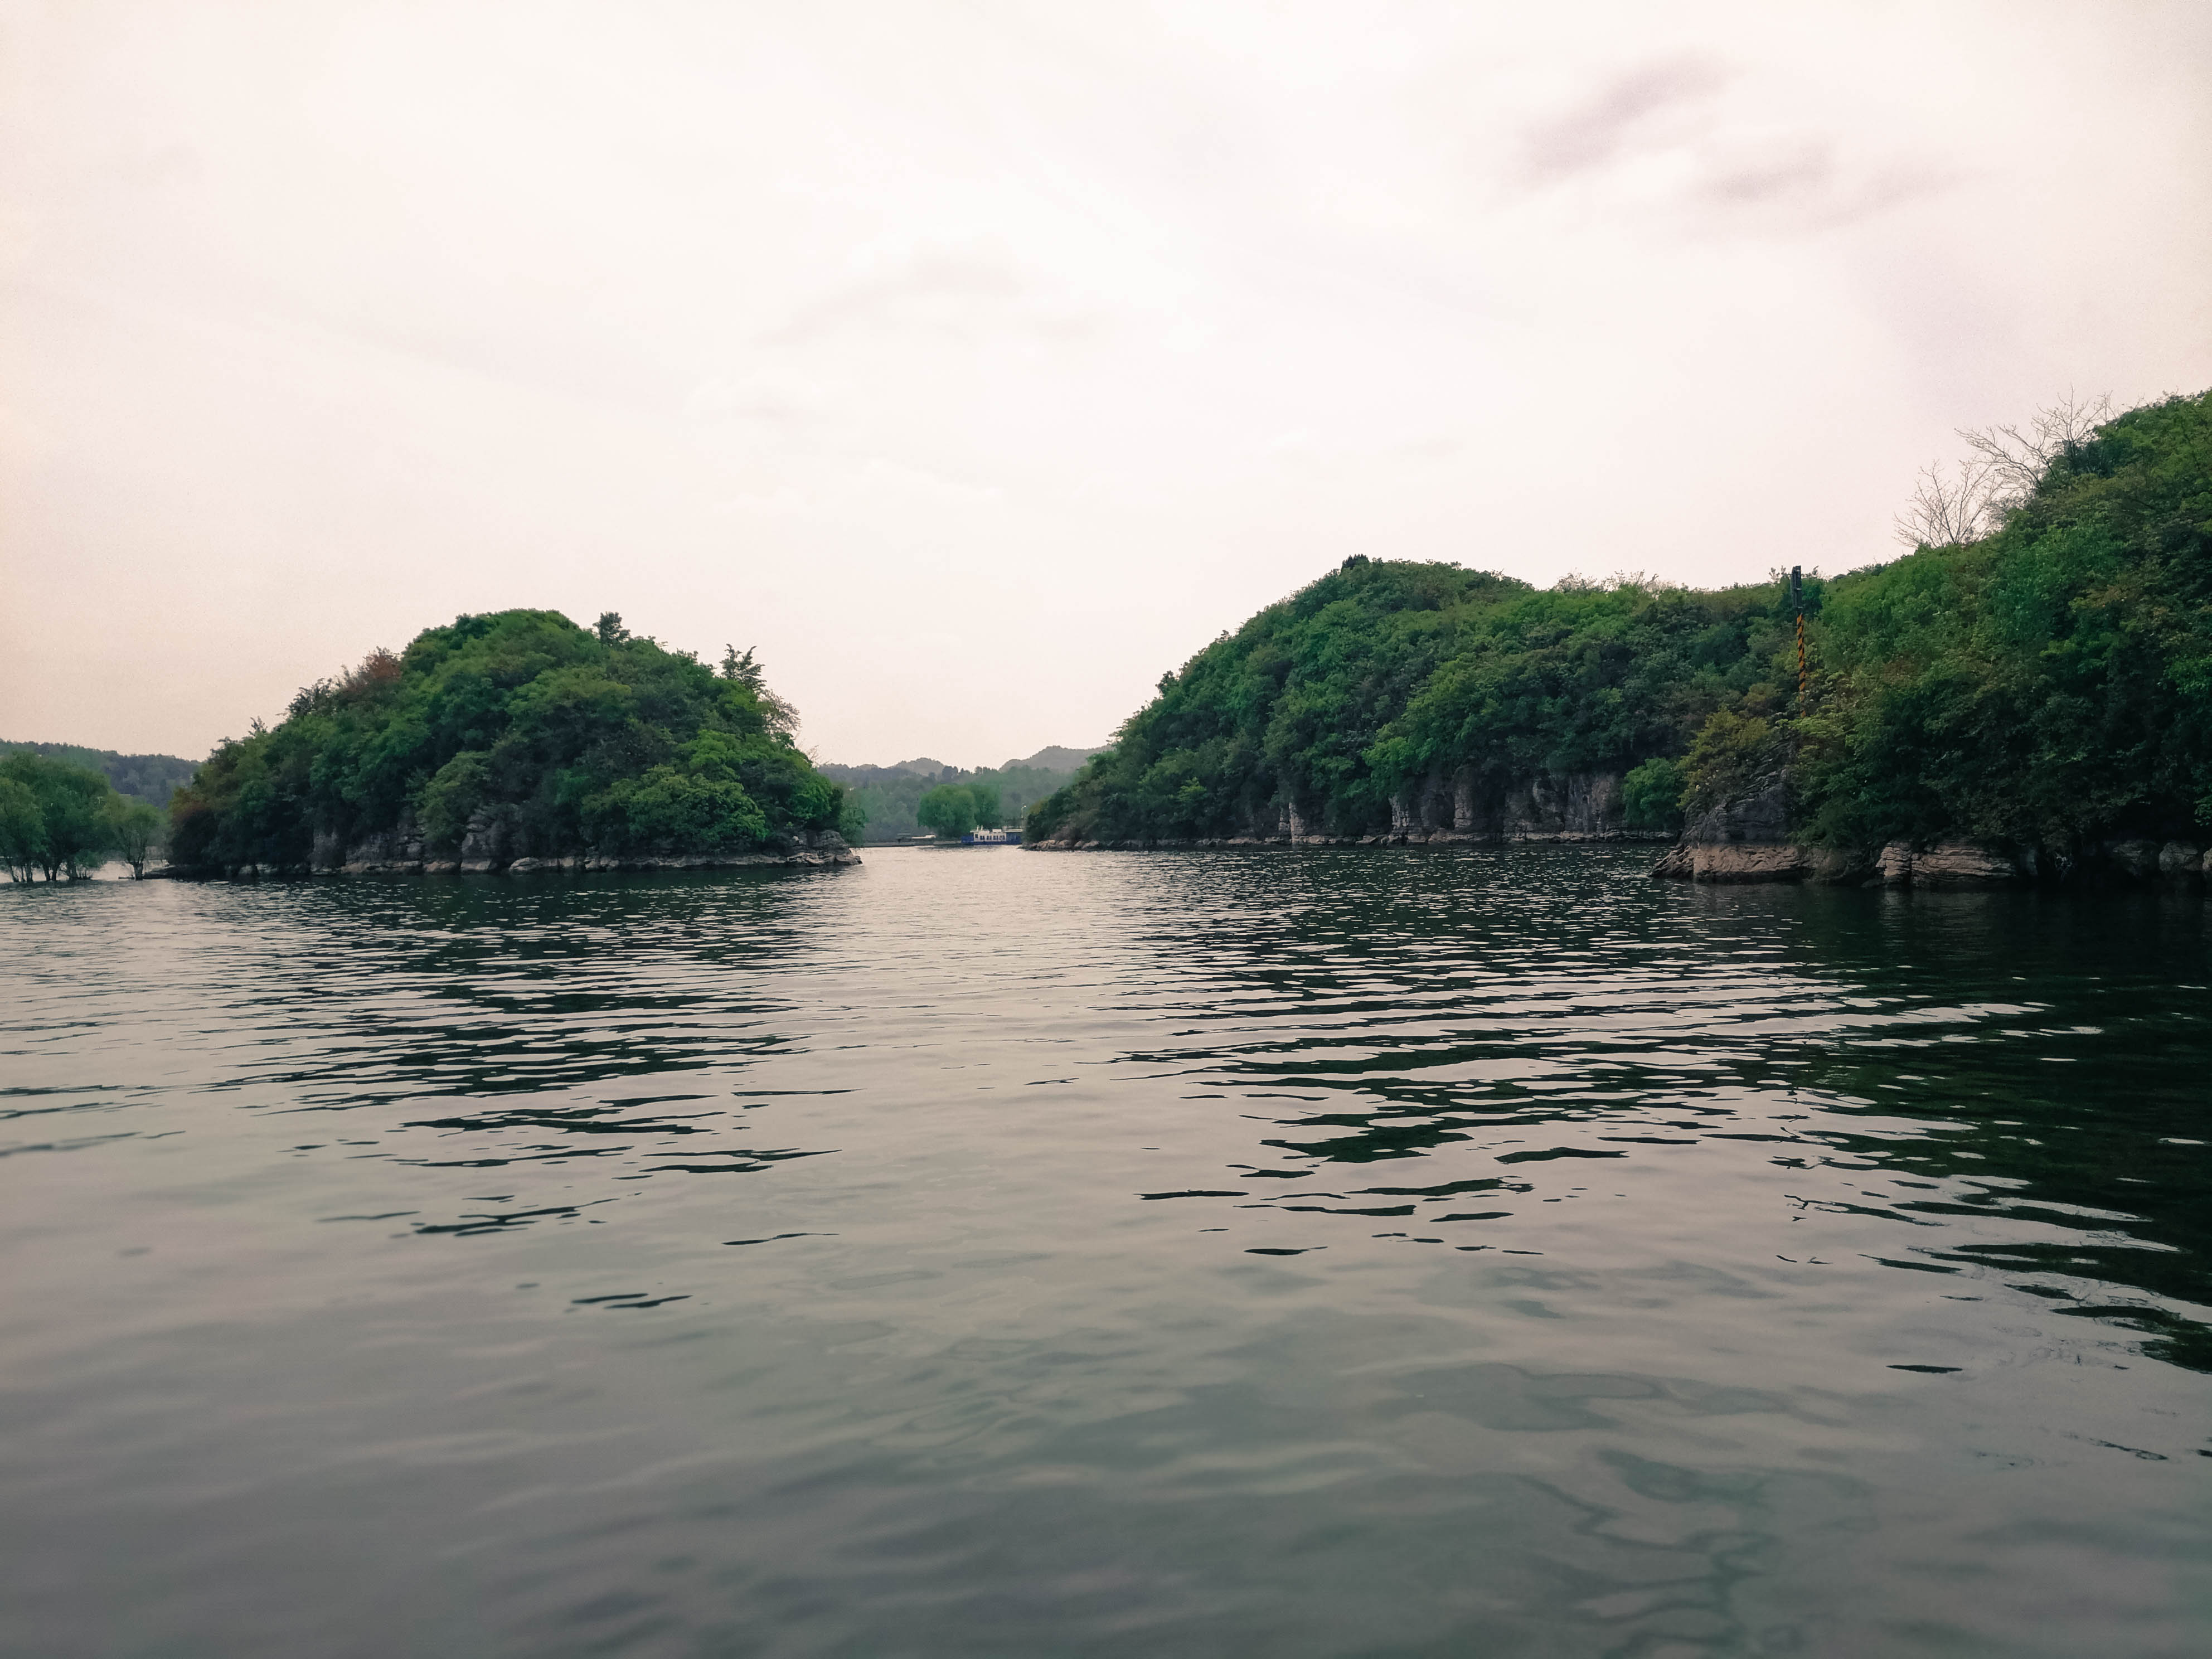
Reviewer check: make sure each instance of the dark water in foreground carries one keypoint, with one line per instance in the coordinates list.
(1487, 1253)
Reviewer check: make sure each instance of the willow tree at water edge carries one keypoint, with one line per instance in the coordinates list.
(61, 821)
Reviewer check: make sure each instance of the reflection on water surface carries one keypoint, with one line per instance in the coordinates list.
(992, 1252)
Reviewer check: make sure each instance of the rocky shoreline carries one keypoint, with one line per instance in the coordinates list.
(1940, 865)
(1945, 864)
(1749, 841)
(402, 853)
(1745, 841)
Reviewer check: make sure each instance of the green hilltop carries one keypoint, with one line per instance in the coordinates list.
(513, 735)
(2043, 677)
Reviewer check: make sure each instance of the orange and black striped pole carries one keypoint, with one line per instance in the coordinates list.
(1797, 599)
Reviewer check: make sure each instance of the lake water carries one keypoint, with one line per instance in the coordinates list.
(999, 1253)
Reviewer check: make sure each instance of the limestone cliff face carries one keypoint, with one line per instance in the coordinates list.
(401, 848)
(1548, 806)
(1451, 807)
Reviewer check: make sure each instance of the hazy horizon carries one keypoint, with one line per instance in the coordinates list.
(977, 365)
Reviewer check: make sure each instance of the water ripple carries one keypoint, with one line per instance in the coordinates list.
(1343, 1253)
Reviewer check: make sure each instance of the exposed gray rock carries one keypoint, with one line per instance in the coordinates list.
(1745, 840)
(484, 842)
(398, 849)
(2134, 857)
(1762, 816)
(1548, 806)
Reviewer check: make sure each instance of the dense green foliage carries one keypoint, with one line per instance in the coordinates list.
(135, 832)
(949, 809)
(150, 778)
(1382, 673)
(522, 726)
(1651, 794)
(2049, 683)
(953, 810)
(60, 820)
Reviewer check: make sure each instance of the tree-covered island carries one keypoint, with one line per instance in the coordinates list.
(2027, 692)
(520, 740)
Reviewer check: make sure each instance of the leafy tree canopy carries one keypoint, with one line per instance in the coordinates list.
(2048, 684)
(556, 738)
(150, 778)
(951, 809)
(1383, 673)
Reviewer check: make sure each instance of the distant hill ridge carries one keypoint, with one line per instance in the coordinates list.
(1054, 757)
(1057, 758)
(890, 795)
(150, 778)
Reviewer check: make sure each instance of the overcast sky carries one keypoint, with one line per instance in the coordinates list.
(980, 362)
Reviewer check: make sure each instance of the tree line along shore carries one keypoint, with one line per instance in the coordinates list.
(2026, 694)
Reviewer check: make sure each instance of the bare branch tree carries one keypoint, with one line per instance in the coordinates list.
(2019, 459)
(1949, 509)
(2000, 473)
